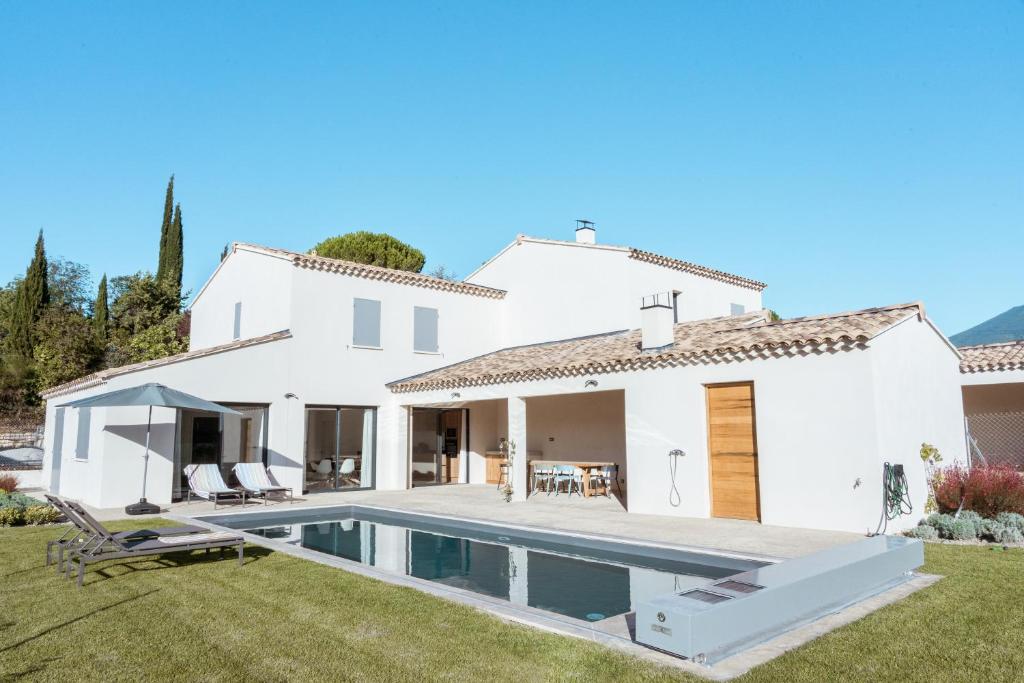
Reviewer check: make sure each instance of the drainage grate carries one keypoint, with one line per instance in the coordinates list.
(739, 586)
(706, 596)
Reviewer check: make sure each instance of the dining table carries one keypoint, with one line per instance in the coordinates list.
(585, 465)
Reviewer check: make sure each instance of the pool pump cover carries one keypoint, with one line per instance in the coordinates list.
(714, 621)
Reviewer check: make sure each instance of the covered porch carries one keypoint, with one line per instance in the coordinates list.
(498, 441)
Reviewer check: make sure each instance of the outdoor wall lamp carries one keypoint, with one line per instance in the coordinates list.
(590, 383)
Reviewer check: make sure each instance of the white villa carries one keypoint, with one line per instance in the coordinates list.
(354, 376)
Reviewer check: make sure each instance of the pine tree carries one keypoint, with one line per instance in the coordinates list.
(32, 297)
(165, 230)
(175, 254)
(101, 312)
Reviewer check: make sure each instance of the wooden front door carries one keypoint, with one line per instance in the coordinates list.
(732, 445)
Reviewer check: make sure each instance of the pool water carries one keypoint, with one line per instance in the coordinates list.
(553, 572)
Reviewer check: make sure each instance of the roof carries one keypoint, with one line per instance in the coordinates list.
(1008, 326)
(993, 357)
(640, 255)
(732, 338)
(352, 269)
(102, 376)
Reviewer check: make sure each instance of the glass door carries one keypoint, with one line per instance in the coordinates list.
(340, 447)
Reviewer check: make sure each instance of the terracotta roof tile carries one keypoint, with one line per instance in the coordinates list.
(103, 375)
(696, 269)
(730, 338)
(993, 357)
(402, 277)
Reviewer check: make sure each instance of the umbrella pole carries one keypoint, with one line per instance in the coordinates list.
(145, 457)
(143, 507)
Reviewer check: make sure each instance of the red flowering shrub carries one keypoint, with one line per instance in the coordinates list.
(986, 490)
(8, 482)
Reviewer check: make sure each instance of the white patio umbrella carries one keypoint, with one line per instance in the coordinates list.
(147, 395)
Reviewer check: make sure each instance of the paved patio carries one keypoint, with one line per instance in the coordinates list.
(595, 515)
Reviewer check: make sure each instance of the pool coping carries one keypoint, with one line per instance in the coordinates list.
(609, 636)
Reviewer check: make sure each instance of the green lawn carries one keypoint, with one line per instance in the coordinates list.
(280, 618)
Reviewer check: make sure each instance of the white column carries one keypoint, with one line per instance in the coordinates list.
(398, 465)
(517, 435)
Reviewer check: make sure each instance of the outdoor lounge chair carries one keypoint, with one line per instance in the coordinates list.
(204, 481)
(255, 479)
(108, 546)
(81, 532)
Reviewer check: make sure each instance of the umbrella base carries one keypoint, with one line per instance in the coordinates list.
(142, 508)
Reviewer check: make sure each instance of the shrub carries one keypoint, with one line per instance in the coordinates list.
(16, 500)
(924, 532)
(1012, 519)
(41, 514)
(985, 490)
(8, 482)
(942, 523)
(963, 530)
(12, 516)
(971, 516)
(1010, 535)
(990, 530)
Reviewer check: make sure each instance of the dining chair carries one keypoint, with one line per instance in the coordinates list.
(568, 474)
(605, 476)
(542, 476)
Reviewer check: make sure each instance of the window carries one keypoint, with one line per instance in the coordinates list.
(424, 334)
(737, 309)
(366, 323)
(82, 438)
(237, 333)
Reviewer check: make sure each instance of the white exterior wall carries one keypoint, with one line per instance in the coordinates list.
(565, 290)
(261, 282)
(825, 424)
(112, 476)
(318, 365)
(917, 400)
(329, 370)
(699, 297)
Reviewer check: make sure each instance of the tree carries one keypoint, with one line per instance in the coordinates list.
(443, 273)
(375, 249)
(32, 297)
(144, 320)
(165, 230)
(65, 347)
(225, 251)
(101, 312)
(175, 258)
(70, 284)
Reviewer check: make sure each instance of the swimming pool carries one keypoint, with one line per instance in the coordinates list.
(585, 578)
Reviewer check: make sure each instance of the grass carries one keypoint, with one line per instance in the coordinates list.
(281, 618)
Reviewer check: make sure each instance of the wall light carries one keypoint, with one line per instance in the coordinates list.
(590, 383)
(456, 394)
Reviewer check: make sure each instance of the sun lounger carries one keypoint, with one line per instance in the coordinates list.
(107, 546)
(81, 531)
(254, 478)
(205, 481)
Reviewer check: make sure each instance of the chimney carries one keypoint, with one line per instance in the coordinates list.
(656, 321)
(585, 232)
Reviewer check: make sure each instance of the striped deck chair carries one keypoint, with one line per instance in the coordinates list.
(254, 478)
(105, 545)
(204, 481)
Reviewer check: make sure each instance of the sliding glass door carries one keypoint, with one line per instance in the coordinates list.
(340, 447)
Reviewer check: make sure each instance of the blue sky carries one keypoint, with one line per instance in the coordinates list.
(848, 154)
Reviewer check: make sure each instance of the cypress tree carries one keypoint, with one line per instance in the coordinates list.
(175, 254)
(101, 311)
(165, 230)
(32, 297)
